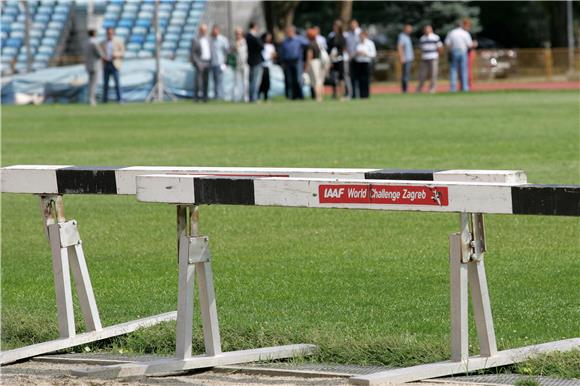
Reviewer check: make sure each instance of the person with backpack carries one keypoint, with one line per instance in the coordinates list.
(317, 62)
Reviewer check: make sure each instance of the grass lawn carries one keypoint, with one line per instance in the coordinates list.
(367, 287)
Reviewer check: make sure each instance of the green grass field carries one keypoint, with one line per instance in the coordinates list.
(367, 287)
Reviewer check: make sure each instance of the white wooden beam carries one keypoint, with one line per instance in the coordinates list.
(441, 369)
(199, 362)
(83, 338)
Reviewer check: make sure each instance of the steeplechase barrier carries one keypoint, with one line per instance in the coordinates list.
(470, 193)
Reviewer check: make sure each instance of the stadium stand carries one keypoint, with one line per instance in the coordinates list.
(134, 23)
(50, 21)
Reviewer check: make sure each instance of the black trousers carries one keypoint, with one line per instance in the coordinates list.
(201, 81)
(363, 71)
(292, 72)
(265, 84)
(353, 78)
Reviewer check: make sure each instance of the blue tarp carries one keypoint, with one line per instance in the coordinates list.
(69, 84)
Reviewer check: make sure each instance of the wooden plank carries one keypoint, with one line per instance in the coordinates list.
(42, 179)
(199, 362)
(62, 284)
(184, 327)
(83, 338)
(458, 280)
(208, 308)
(84, 288)
(482, 308)
(441, 369)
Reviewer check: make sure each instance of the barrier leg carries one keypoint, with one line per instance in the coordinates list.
(459, 292)
(184, 327)
(67, 257)
(194, 255)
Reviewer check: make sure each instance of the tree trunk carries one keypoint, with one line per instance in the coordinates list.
(344, 8)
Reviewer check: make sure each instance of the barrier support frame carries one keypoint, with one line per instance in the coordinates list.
(68, 257)
(467, 274)
(194, 257)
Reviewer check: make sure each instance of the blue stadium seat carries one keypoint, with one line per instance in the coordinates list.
(45, 50)
(36, 33)
(53, 33)
(171, 37)
(16, 26)
(12, 42)
(133, 46)
(145, 15)
(59, 17)
(185, 42)
(62, 9)
(41, 18)
(44, 10)
(182, 52)
(49, 41)
(7, 51)
(127, 23)
(182, 5)
(11, 11)
(166, 7)
(122, 31)
(109, 23)
(56, 24)
(150, 37)
(144, 23)
(149, 45)
(6, 19)
(137, 39)
(130, 55)
(169, 45)
(167, 54)
(5, 28)
(130, 7)
(137, 30)
(173, 29)
(3, 36)
(148, 7)
(145, 54)
(17, 34)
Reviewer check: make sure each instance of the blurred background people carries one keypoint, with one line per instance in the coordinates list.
(219, 48)
(269, 55)
(255, 60)
(114, 50)
(352, 40)
(313, 65)
(201, 60)
(93, 55)
(366, 52)
(406, 55)
(291, 54)
(240, 87)
(338, 75)
(458, 42)
(431, 47)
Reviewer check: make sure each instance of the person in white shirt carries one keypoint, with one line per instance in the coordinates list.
(201, 59)
(458, 42)
(365, 53)
(431, 46)
(219, 47)
(268, 54)
(242, 70)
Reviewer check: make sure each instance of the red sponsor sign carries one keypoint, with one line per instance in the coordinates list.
(383, 194)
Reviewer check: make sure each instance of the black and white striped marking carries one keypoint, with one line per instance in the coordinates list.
(61, 179)
(435, 196)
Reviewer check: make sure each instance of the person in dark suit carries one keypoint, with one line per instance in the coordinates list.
(255, 59)
(201, 59)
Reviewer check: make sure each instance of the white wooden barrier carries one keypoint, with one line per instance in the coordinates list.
(466, 253)
(51, 182)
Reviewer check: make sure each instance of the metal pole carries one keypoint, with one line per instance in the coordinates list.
(90, 13)
(159, 92)
(24, 4)
(571, 64)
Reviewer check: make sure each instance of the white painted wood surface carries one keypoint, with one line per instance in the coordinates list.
(62, 283)
(40, 179)
(299, 192)
(441, 369)
(459, 298)
(198, 362)
(208, 309)
(83, 338)
(481, 306)
(85, 294)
